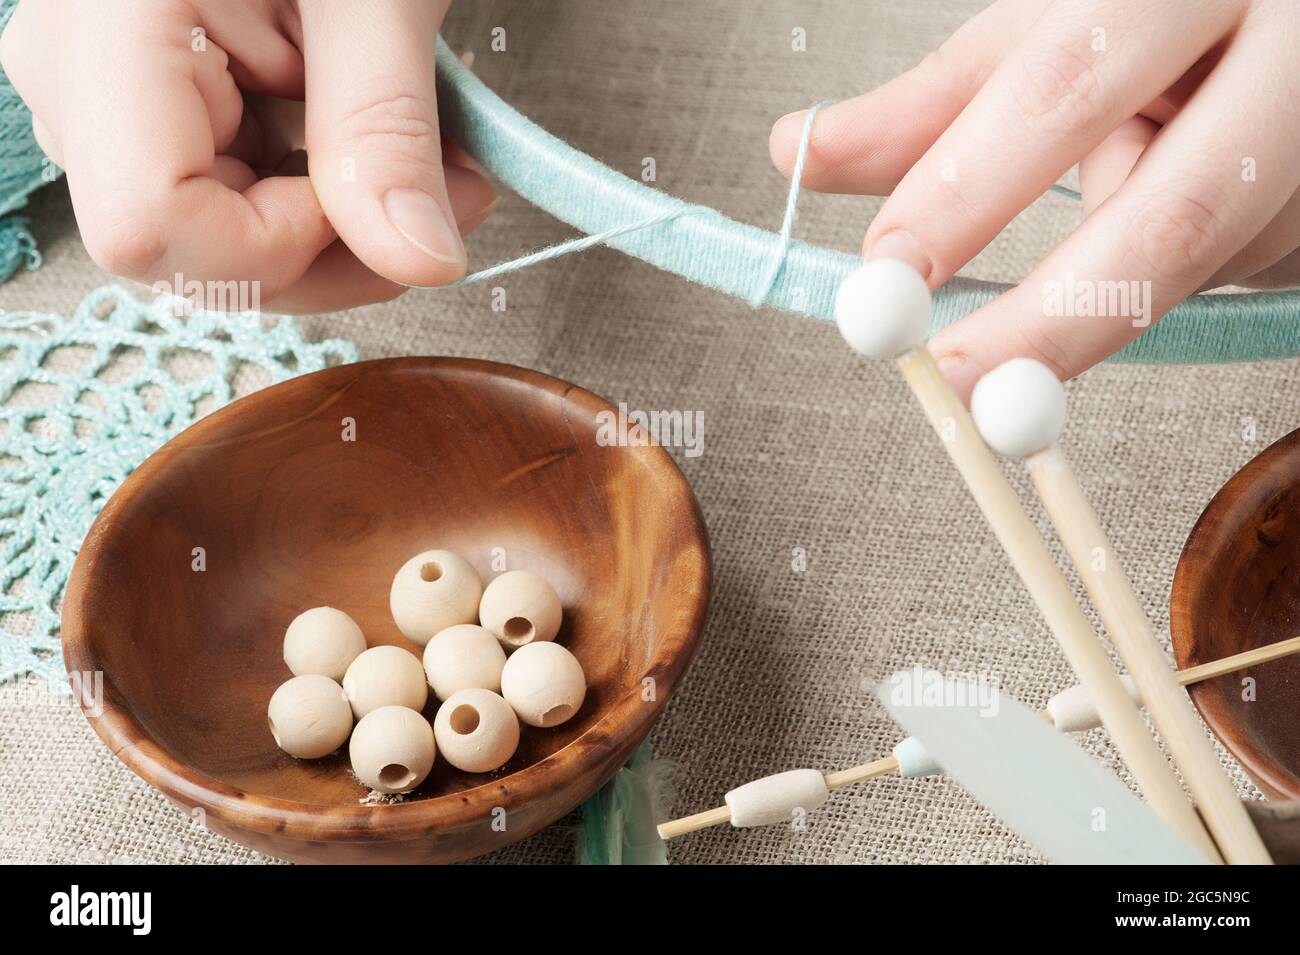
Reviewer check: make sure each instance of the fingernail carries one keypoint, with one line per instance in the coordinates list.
(798, 115)
(422, 223)
(902, 245)
(962, 374)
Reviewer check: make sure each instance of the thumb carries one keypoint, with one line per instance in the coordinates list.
(373, 147)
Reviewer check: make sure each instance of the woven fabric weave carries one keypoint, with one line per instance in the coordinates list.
(811, 458)
(85, 400)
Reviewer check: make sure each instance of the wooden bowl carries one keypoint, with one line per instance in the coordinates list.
(1237, 587)
(488, 460)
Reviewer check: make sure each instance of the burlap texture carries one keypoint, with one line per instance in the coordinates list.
(805, 446)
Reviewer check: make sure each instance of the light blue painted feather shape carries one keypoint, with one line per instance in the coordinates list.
(1037, 780)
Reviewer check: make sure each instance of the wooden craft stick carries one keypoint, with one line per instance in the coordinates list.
(883, 309)
(1019, 408)
(1083, 721)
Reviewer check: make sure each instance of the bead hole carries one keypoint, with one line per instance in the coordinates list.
(395, 775)
(431, 571)
(557, 714)
(464, 719)
(518, 630)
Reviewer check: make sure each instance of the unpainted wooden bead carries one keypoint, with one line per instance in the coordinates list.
(392, 749)
(520, 608)
(309, 716)
(324, 641)
(476, 730)
(385, 676)
(463, 656)
(433, 591)
(544, 683)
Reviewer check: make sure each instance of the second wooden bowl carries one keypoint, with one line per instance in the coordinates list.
(1237, 587)
(313, 492)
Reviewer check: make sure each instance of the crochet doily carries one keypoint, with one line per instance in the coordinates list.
(83, 400)
(23, 168)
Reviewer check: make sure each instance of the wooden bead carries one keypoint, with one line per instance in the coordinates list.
(433, 591)
(544, 683)
(323, 641)
(463, 656)
(392, 749)
(883, 308)
(476, 730)
(309, 716)
(385, 676)
(914, 760)
(520, 608)
(774, 799)
(1019, 407)
(1072, 710)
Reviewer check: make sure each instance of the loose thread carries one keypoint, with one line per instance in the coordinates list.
(1067, 192)
(768, 280)
(792, 200)
(761, 291)
(564, 248)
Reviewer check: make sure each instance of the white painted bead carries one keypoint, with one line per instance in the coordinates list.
(433, 591)
(520, 608)
(883, 309)
(463, 656)
(544, 683)
(914, 759)
(324, 641)
(385, 676)
(392, 749)
(476, 730)
(309, 716)
(1019, 407)
(1072, 710)
(774, 799)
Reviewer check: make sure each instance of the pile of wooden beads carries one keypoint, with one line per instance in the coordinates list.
(437, 601)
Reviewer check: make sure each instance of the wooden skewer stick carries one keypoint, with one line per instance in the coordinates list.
(883, 310)
(1238, 661)
(890, 764)
(860, 774)
(1020, 409)
(722, 814)
(701, 820)
(1050, 591)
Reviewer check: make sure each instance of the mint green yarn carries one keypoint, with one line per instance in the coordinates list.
(23, 168)
(706, 247)
(75, 422)
(761, 290)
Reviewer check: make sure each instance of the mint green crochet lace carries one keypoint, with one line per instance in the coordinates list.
(23, 168)
(83, 401)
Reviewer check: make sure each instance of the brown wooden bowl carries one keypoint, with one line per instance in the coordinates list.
(1237, 587)
(470, 456)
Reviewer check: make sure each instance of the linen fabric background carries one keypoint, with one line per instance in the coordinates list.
(807, 450)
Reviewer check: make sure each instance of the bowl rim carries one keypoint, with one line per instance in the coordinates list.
(1227, 511)
(625, 723)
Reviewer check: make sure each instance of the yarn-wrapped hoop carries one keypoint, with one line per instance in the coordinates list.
(706, 247)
